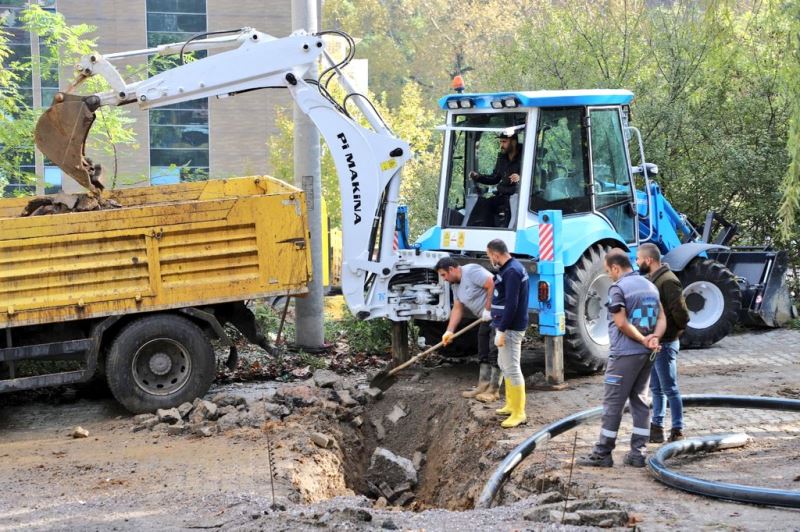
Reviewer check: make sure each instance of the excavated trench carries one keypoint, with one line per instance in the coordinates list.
(428, 423)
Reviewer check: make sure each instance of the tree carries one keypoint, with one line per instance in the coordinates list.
(791, 74)
(61, 44)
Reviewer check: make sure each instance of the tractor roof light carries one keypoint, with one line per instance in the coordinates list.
(510, 102)
(497, 104)
(452, 104)
(465, 104)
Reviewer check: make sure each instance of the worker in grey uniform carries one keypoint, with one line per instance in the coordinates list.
(473, 286)
(635, 326)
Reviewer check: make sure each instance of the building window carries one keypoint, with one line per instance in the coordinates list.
(178, 132)
(20, 42)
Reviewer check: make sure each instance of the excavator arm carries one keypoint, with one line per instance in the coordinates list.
(368, 160)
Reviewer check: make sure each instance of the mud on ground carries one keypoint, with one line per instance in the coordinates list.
(120, 479)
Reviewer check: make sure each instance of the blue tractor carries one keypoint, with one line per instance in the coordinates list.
(576, 161)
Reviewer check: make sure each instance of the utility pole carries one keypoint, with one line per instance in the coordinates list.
(309, 310)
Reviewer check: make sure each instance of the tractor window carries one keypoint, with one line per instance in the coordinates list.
(560, 173)
(487, 199)
(609, 163)
(612, 186)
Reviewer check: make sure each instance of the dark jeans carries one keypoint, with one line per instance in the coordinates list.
(487, 352)
(664, 386)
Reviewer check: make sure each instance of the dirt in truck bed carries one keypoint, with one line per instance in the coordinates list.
(328, 451)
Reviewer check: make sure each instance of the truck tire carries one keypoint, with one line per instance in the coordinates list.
(586, 325)
(159, 361)
(714, 299)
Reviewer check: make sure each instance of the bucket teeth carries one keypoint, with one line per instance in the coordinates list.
(61, 136)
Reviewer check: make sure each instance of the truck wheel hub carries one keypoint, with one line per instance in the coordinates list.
(160, 364)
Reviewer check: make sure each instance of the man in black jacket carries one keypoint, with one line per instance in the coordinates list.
(496, 210)
(664, 374)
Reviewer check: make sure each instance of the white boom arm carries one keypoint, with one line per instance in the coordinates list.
(368, 162)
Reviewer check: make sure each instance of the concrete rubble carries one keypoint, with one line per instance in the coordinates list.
(228, 411)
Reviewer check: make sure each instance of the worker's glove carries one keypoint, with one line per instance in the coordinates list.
(447, 337)
(486, 315)
(500, 339)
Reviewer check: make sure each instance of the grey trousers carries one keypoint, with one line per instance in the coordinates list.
(626, 379)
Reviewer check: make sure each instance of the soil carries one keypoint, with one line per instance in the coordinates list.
(116, 479)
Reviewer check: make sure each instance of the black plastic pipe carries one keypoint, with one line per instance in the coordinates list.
(720, 490)
(521, 451)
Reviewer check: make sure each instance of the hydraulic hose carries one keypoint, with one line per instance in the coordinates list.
(521, 451)
(720, 490)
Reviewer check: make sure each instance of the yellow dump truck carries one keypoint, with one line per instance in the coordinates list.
(138, 292)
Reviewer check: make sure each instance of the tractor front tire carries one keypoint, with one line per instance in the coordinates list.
(714, 298)
(159, 361)
(586, 287)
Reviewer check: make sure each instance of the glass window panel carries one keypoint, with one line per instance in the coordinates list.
(170, 117)
(165, 175)
(560, 172)
(177, 6)
(172, 22)
(483, 202)
(178, 157)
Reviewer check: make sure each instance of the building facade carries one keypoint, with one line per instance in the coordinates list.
(205, 138)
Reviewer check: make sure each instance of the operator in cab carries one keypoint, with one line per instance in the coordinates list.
(495, 211)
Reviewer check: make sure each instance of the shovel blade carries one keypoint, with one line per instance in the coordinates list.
(61, 136)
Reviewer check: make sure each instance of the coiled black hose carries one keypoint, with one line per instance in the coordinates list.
(521, 451)
(720, 490)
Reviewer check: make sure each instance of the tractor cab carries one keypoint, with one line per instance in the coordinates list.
(568, 149)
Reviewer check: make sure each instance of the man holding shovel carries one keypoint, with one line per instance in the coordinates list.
(473, 286)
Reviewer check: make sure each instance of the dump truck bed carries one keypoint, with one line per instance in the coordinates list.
(174, 246)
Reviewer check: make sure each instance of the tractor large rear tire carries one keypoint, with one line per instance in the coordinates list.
(585, 294)
(714, 299)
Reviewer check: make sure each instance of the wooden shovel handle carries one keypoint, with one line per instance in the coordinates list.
(434, 348)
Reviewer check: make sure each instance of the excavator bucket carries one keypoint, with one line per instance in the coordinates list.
(61, 136)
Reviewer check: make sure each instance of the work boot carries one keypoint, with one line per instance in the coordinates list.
(492, 393)
(596, 460)
(483, 382)
(633, 460)
(656, 434)
(676, 434)
(516, 394)
(505, 410)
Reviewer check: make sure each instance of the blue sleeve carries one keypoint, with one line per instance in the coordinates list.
(511, 281)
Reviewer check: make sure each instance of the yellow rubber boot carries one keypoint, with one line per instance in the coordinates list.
(506, 409)
(516, 399)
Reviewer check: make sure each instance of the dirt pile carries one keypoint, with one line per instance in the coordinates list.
(63, 203)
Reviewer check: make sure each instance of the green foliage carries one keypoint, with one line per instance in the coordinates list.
(60, 43)
(315, 362)
(370, 337)
(269, 320)
(791, 78)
